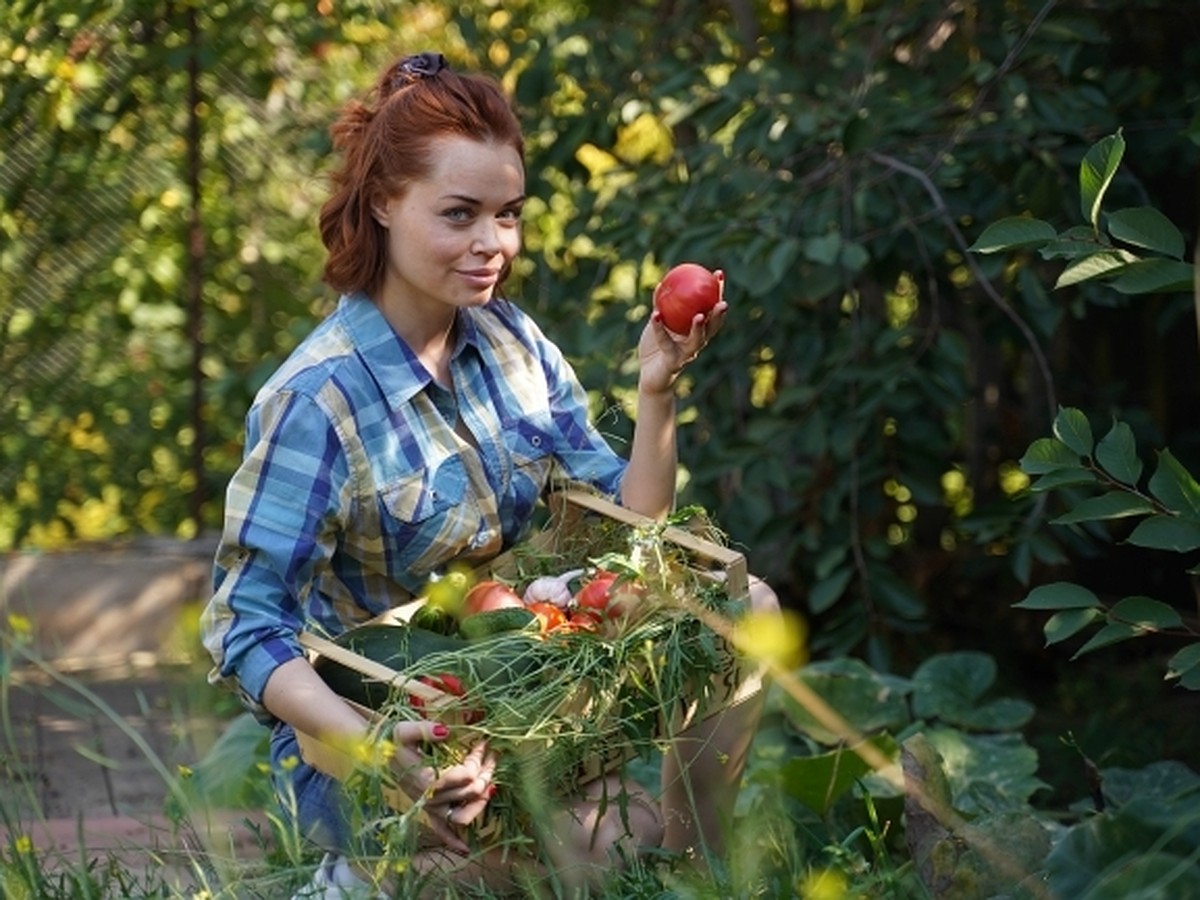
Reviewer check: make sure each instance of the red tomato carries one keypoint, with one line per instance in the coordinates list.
(447, 684)
(582, 620)
(685, 291)
(549, 615)
(596, 593)
(489, 595)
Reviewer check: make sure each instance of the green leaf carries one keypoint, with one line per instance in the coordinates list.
(1013, 233)
(1063, 478)
(1097, 265)
(854, 257)
(1155, 276)
(823, 249)
(864, 698)
(1005, 763)
(1048, 455)
(1073, 429)
(1117, 454)
(1174, 487)
(950, 687)
(1068, 623)
(1137, 849)
(895, 594)
(1113, 633)
(1186, 660)
(1096, 174)
(1059, 595)
(826, 592)
(1145, 614)
(1166, 533)
(1072, 244)
(966, 674)
(227, 776)
(818, 781)
(1162, 780)
(782, 258)
(1146, 227)
(1113, 505)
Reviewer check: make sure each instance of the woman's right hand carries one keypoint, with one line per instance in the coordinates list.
(455, 796)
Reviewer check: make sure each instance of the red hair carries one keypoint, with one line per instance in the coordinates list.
(385, 142)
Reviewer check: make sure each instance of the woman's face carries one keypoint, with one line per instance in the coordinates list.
(452, 234)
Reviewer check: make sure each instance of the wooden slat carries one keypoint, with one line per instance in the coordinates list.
(733, 562)
(372, 669)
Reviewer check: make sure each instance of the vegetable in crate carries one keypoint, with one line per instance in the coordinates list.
(395, 646)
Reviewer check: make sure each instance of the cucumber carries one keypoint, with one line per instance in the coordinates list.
(395, 646)
(495, 621)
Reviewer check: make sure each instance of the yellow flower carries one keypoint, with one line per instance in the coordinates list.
(777, 639)
(20, 625)
(824, 884)
(23, 844)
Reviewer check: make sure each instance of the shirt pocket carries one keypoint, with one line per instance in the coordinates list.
(415, 497)
(531, 445)
(532, 449)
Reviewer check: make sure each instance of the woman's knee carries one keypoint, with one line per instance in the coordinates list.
(613, 822)
(763, 598)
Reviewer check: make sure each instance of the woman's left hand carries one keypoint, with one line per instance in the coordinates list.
(663, 354)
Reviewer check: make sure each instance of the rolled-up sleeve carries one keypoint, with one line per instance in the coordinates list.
(283, 509)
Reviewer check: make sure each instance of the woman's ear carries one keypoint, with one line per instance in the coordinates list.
(380, 210)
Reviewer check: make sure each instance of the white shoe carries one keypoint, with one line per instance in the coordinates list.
(335, 880)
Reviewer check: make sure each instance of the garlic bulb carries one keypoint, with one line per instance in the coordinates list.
(552, 589)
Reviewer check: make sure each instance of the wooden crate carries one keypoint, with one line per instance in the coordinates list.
(569, 509)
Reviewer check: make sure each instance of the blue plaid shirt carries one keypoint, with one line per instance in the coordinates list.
(355, 486)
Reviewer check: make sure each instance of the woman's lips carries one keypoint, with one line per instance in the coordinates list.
(480, 279)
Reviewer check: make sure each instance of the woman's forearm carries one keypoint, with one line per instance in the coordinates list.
(296, 694)
(649, 483)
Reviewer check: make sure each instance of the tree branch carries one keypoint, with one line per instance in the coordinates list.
(984, 283)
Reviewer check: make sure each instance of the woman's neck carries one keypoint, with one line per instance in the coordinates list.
(429, 334)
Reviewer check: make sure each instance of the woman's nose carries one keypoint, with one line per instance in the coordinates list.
(486, 239)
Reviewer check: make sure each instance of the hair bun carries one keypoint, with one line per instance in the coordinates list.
(417, 67)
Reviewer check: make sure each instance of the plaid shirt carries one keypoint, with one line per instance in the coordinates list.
(355, 487)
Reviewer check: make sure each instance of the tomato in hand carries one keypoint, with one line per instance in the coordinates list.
(447, 684)
(686, 291)
(489, 595)
(549, 616)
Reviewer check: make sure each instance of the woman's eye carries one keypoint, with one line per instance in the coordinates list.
(512, 214)
(458, 214)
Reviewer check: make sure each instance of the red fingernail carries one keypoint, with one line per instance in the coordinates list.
(440, 730)
(491, 791)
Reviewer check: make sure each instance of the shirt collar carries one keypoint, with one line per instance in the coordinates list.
(393, 365)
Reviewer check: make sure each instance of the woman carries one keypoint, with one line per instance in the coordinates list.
(417, 426)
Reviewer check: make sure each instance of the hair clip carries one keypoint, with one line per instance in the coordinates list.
(419, 66)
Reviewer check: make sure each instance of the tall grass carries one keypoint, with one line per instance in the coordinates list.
(226, 836)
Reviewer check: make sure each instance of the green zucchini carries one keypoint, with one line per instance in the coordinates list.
(395, 646)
